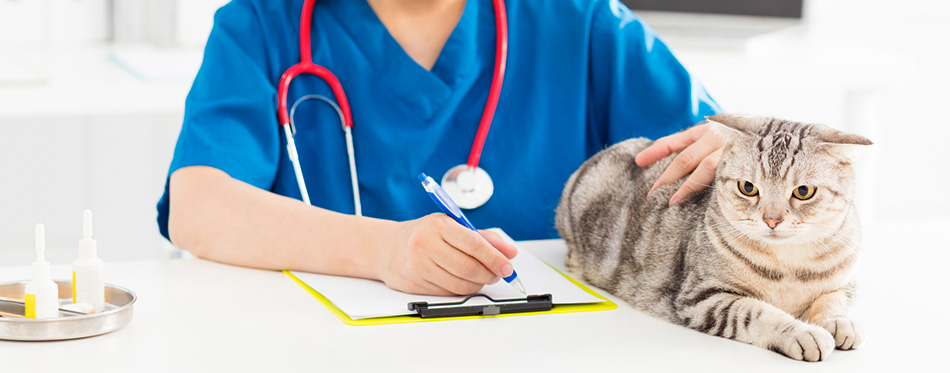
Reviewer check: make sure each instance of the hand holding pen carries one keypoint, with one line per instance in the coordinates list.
(449, 207)
(434, 255)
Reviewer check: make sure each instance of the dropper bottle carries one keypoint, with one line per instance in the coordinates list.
(88, 286)
(41, 293)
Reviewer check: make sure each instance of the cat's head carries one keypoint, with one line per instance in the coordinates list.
(784, 182)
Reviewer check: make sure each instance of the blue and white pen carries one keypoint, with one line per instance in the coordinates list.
(451, 209)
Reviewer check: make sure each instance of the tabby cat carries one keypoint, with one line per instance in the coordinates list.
(765, 256)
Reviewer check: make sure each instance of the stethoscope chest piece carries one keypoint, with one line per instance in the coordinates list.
(469, 187)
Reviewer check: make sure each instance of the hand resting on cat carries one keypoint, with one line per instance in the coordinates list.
(698, 152)
(765, 256)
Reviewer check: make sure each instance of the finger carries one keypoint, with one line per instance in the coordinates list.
(428, 278)
(462, 266)
(476, 246)
(687, 161)
(425, 287)
(700, 179)
(416, 285)
(506, 248)
(445, 280)
(668, 145)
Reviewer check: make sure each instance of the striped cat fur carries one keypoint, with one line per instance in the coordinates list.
(765, 268)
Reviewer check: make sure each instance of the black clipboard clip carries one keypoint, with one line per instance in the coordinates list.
(499, 306)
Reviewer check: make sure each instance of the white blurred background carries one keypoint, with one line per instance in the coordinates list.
(92, 93)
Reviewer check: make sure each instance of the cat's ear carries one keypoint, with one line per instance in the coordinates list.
(832, 136)
(842, 145)
(731, 126)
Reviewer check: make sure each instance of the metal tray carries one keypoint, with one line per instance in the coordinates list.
(118, 313)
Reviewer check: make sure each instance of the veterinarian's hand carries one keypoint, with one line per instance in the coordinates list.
(435, 255)
(702, 149)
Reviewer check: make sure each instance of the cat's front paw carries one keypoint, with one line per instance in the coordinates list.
(802, 341)
(848, 334)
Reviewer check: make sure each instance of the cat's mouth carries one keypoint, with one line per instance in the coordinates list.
(776, 235)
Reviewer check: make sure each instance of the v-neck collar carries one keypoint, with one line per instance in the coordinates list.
(423, 91)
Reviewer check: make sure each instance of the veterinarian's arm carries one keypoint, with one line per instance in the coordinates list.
(701, 148)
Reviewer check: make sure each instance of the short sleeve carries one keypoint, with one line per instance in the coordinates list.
(638, 87)
(230, 121)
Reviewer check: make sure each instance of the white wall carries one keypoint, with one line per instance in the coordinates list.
(32, 23)
(55, 167)
(77, 131)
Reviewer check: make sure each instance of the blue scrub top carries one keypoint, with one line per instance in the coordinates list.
(581, 76)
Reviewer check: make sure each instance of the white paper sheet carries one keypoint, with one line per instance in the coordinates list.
(361, 298)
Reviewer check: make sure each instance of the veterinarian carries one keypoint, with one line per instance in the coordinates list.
(528, 89)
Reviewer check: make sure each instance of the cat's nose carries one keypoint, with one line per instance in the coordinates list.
(772, 223)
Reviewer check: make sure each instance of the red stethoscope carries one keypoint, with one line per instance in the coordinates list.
(469, 185)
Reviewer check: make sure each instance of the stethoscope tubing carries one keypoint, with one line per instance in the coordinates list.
(498, 76)
(295, 160)
(306, 66)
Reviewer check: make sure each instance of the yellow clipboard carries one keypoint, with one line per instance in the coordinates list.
(606, 305)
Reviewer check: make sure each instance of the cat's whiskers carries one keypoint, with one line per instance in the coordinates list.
(821, 248)
(823, 244)
(826, 240)
(731, 233)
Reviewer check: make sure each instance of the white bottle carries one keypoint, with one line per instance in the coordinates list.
(42, 294)
(88, 286)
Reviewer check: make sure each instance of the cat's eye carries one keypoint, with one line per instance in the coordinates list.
(804, 192)
(748, 188)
